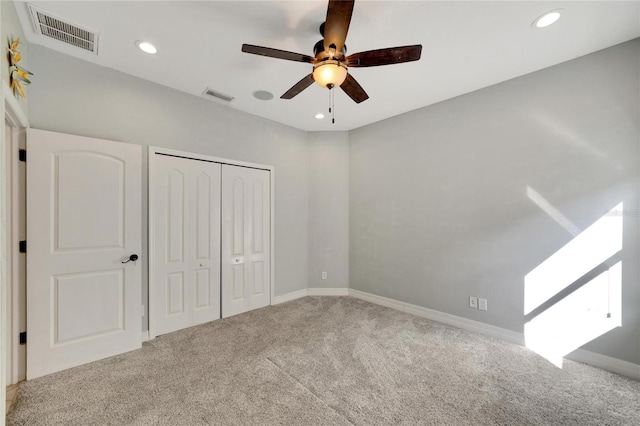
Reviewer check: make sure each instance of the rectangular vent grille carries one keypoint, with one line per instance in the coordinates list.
(63, 31)
(213, 93)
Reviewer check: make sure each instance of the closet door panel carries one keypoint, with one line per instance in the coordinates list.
(205, 214)
(245, 239)
(259, 234)
(172, 275)
(186, 230)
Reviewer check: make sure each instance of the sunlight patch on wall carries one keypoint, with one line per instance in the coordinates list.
(562, 323)
(589, 249)
(589, 312)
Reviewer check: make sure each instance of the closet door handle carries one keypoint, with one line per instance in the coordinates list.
(132, 258)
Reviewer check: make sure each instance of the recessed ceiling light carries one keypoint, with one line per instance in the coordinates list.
(547, 19)
(146, 47)
(319, 116)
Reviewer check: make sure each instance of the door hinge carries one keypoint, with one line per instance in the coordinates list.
(23, 338)
(22, 155)
(23, 246)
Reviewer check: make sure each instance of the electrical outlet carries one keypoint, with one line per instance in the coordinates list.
(324, 275)
(482, 304)
(473, 302)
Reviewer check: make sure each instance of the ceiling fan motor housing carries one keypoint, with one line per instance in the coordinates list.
(320, 53)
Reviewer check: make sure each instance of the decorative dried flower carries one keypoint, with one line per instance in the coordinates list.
(17, 74)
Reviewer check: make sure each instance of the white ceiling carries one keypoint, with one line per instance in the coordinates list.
(466, 46)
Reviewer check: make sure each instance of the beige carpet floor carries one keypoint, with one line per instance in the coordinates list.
(327, 361)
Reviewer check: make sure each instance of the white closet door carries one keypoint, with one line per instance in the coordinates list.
(186, 196)
(205, 242)
(83, 220)
(246, 239)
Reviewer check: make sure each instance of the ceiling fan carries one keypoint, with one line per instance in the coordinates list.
(330, 62)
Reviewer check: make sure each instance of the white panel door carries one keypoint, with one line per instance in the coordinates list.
(246, 239)
(83, 220)
(186, 226)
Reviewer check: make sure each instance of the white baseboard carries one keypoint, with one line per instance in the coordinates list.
(328, 291)
(587, 357)
(466, 324)
(624, 368)
(310, 292)
(460, 322)
(145, 336)
(290, 296)
(378, 300)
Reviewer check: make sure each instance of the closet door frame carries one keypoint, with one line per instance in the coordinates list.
(151, 300)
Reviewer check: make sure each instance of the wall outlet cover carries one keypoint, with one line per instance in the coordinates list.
(473, 302)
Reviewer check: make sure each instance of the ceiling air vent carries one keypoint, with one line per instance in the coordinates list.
(212, 93)
(49, 26)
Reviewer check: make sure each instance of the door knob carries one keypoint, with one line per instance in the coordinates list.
(132, 258)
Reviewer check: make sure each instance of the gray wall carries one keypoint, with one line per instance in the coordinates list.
(438, 204)
(76, 97)
(329, 209)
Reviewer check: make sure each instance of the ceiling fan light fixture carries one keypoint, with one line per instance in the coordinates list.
(329, 74)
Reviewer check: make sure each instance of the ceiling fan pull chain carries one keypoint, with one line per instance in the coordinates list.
(333, 107)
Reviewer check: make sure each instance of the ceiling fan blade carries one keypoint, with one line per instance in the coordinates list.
(337, 23)
(298, 87)
(277, 53)
(352, 88)
(391, 55)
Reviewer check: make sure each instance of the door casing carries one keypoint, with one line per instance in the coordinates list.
(151, 226)
(14, 117)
